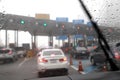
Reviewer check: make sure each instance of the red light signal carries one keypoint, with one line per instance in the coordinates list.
(63, 26)
(78, 27)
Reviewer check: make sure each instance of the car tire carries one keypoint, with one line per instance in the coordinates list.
(13, 59)
(93, 61)
(66, 72)
(40, 74)
(108, 66)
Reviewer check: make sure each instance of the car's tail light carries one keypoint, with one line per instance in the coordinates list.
(63, 59)
(10, 52)
(42, 60)
(117, 56)
(88, 50)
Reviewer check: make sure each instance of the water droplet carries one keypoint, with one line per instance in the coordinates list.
(117, 9)
(108, 5)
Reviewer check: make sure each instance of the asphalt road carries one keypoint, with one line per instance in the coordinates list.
(26, 69)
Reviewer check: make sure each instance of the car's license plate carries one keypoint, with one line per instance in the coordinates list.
(53, 60)
(83, 52)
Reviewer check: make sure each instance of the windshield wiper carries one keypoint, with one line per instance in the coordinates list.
(102, 41)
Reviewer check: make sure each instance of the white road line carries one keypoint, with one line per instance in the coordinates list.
(77, 69)
(74, 67)
(26, 59)
(35, 72)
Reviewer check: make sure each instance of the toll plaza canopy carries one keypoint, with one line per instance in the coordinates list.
(46, 27)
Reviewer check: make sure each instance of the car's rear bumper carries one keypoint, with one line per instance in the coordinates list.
(4, 59)
(45, 67)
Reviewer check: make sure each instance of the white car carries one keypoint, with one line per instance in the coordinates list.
(8, 54)
(50, 60)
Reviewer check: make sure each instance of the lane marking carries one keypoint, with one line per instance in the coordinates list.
(90, 69)
(74, 67)
(35, 72)
(26, 59)
(77, 69)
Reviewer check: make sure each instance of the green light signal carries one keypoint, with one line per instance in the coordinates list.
(22, 22)
(45, 24)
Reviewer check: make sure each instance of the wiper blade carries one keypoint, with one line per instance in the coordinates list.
(102, 41)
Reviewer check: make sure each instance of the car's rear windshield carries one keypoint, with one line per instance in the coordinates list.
(4, 51)
(49, 53)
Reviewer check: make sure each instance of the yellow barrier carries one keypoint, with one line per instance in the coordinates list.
(29, 53)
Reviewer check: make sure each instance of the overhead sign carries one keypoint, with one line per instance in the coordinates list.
(81, 21)
(42, 16)
(61, 19)
(90, 37)
(78, 36)
(89, 24)
(61, 37)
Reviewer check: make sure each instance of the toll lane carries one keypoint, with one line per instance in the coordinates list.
(86, 65)
(26, 69)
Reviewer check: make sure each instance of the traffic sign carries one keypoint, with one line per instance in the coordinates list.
(61, 19)
(78, 36)
(61, 37)
(80, 21)
(89, 24)
(90, 37)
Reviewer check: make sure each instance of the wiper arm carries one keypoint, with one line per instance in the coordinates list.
(102, 41)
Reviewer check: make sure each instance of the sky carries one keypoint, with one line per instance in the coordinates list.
(56, 8)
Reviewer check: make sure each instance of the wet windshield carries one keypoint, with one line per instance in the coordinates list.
(31, 26)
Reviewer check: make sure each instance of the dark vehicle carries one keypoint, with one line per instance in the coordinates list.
(97, 57)
(12, 45)
(8, 54)
(26, 46)
(80, 52)
(21, 52)
(66, 47)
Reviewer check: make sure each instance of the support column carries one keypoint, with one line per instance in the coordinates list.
(6, 38)
(76, 42)
(59, 43)
(50, 42)
(32, 42)
(85, 40)
(69, 41)
(15, 37)
(17, 43)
